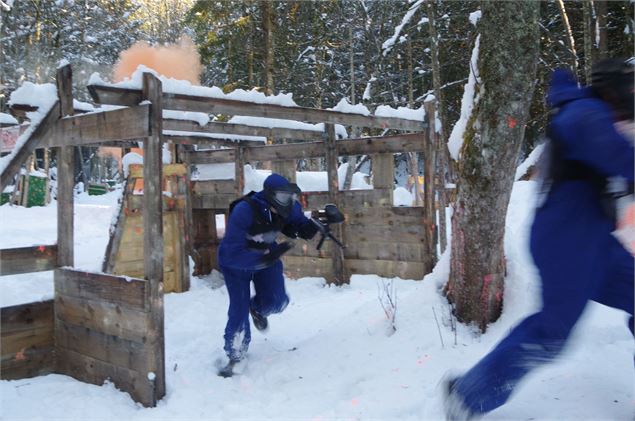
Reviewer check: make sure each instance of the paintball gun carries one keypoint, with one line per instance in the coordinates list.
(323, 218)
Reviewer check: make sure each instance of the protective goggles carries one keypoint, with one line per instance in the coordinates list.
(284, 197)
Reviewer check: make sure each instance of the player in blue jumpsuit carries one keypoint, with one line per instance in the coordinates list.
(249, 253)
(571, 243)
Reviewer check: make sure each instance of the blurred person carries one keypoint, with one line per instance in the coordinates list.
(572, 244)
(249, 253)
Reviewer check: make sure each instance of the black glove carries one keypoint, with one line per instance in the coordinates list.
(276, 252)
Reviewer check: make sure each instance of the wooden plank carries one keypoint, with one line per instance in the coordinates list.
(410, 142)
(388, 250)
(26, 316)
(388, 268)
(218, 156)
(102, 346)
(349, 199)
(153, 231)
(65, 175)
(124, 291)
(94, 371)
(14, 343)
(188, 139)
(33, 142)
(31, 362)
(300, 267)
(28, 259)
(239, 175)
(95, 128)
(337, 254)
(26, 344)
(126, 96)
(103, 316)
(203, 187)
(285, 152)
(242, 129)
(213, 201)
(404, 234)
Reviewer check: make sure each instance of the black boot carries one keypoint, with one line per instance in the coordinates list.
(260, 322)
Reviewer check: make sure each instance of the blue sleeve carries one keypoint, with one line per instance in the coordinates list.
(301, 225)
(589, 136)
(234, 251)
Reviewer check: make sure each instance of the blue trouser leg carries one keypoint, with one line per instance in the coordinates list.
(237, 333)
(617, 289)
(567, 284)
(271, 296)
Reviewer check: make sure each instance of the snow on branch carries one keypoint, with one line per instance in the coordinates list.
(390, 42)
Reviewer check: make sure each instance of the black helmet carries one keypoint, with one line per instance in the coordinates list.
(280, 194)
(612, 80)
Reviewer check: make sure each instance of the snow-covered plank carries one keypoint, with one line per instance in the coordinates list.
(26, 148)
(240, 129)
(126, 96)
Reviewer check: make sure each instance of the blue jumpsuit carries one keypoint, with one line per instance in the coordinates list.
(571, 243)
(242, 265)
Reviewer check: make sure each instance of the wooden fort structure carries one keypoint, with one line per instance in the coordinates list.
(109, 325)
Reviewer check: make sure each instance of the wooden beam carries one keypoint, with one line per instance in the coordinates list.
(337, 254)
(95, 128)
(153, 227)
(210, 157)
(362, 146)
(242, 129)
(171, 101)
(32, 143)
(206, 140)
(28, 259)
(65, 175)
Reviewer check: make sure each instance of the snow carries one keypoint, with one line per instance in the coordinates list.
(201, 118)
(7, 119)
(328, 356)
(390, 42)
(42, 96)
(455, 142)
(271, 123)
(530, 161)
(475, 17)
(170, 85)
(401, 112)
(346, 107)
(129, 159)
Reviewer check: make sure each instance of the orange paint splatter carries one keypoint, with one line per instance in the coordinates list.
(511, 122)
(354, 402)
(19, 356)
(41, 249)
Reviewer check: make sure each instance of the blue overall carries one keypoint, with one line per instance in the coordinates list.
(572, 246)
(242, 265)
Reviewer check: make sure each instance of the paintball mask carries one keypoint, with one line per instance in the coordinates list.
(281, 194)
(612, 80)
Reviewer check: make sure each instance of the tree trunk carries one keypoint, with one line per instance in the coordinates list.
(267, 27)
(570, 40)
(587, 9)
(507, 68)
(603, 41)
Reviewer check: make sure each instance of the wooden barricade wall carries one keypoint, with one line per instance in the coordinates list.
(103, 330)
(124, 254)
(27, 344)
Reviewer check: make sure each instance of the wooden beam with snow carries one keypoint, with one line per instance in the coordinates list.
(242, 129)
(181, 102)
(85, 129)
(206, 140)
(32, 143)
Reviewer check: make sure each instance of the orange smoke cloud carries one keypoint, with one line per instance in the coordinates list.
(178, 61)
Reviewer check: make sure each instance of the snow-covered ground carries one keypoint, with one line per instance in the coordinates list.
(329, 355)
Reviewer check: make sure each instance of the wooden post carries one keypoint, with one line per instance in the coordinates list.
(153, 227)
(65, 175)
(384, 175)
(437, 141)
(429, 160)
(240, 170)
(339, 277)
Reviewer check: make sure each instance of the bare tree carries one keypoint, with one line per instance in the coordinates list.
(491, 146)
